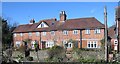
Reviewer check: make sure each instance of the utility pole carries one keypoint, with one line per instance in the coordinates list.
(106, 35)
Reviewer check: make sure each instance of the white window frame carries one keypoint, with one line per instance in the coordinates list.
(70, 44)
(37, 33)
(21, 34)
(44, 33)
(89, 43)
(87, 31)
(18, 43)
(97, 31)
(15, 34)
(65, 32)
(49, 44)
(42, 25)
(75, 31)
(92, 43)
(52, 32)
(30, 34)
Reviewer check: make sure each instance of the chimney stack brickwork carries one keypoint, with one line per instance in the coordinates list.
(63, 16)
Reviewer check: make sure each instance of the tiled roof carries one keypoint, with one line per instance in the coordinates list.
(78, 23)
(111, 31)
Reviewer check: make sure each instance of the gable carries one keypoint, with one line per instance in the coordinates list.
(42, 25)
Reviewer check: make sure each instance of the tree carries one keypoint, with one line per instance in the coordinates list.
(7, 36)
(36, 49)
(27, 50)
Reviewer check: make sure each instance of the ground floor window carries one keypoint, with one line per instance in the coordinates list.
(33, 44)
(67, 45)
(49, 44)
(92, 44)
(18, 44)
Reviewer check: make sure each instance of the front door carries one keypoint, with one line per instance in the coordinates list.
(43, 44)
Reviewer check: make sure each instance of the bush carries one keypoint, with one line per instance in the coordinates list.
(56, 53)
(30, 58)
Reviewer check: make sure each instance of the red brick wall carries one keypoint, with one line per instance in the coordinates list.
(91, 37)
(26, 36)
(59, 36)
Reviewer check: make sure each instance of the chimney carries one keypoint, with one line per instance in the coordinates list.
(62, 16)
(32, 21)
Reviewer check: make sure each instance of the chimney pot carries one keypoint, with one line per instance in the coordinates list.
(32, 21)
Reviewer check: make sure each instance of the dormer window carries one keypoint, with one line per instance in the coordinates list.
(52, 23)
(42, 25)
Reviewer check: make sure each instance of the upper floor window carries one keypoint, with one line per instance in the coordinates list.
(43, 33)
(52, 32)
(30, 34)
(37, 33)
(65, 32)
(15, 34)
(97, 31)
(21, 34)
(75, 31)
(87, 31)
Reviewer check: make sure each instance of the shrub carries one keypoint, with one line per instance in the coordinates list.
(56, 53)
(30, 58)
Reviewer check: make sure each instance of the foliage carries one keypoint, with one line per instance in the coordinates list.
(30, 58)
(56, 53)
(7, 36)
(75, 43)
(102, 43)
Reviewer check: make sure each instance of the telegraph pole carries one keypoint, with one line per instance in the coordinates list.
(106, 35)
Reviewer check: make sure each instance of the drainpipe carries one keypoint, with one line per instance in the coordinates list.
(80, 39)
(40, 41)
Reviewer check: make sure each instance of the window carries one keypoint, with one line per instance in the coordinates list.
(69, 45)
(42, 25)
(95, 44)
(49, 44)
(15, 34)
(18, 44)
(52, 32)
(75, 31)
(37, 33)
(88, 45)
(65, 32)
(21, 34)
(97, 31)
(30, 34)
(87, 31)
(92, 44)
(43, 33)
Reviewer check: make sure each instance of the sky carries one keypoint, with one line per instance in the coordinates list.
(23, 12)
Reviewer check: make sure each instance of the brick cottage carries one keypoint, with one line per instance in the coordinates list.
(87, 32)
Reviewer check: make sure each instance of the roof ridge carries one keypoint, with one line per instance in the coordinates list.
(80, 18)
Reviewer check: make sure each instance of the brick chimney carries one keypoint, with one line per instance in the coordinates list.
(62, 16)
(32, 21)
